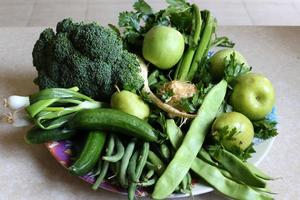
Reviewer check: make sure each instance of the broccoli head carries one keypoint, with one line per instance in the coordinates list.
(88, 56)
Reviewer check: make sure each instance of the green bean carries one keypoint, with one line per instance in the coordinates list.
(230, 188)
(165, 151)
(124, 163)
(192, 143)
(258, 172)
(139, 169)
(157, 162)
(105, 164)
(118, 155)
(98, 169)
(142, 160)
(149, 174)
(147, 183)
(132, 166)
(236, 167)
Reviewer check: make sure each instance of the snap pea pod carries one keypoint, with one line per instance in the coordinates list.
(124, 163)
(157, 162)
(192, 143)
(165, 151)
(236, 167)
(90, 153)
(139, 169)
(174, 133)
(118, 155)
(230, 188)
(105, 164)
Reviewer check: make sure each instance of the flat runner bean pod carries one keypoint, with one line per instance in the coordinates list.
(258, 172)
(105, 164)
(236, 167)
(192, 142)
(230, 188)
(118, 155)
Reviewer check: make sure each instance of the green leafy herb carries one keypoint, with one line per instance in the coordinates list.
(167, 95)
(233, 69)
(192, 104)
(228, 134)
(244, 155)
(264, 129)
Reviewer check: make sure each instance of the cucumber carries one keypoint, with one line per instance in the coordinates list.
(37, 135)
(113, 120)
(90, 154)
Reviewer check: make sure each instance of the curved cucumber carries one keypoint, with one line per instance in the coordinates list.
(38, 136)
(90, 154)
(113, 120)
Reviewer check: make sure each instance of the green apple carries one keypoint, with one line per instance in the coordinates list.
(163, 46)
(233, 120)
(253, 95)
(217, 62)
(130, 103)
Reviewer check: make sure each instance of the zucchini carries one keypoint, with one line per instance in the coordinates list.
(106, 119)
(37, 135)
(90, 154)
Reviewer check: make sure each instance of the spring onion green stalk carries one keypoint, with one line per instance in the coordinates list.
(204, 44)
(52, 108)
(183, 67)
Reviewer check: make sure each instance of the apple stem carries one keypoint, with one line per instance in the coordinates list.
(117, 88)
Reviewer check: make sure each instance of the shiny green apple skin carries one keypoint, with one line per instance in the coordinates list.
(217, 64)
(130, 103)
(243, 125)
(163, 46)
(253, 95)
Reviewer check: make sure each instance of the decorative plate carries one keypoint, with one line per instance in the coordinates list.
(62, 152)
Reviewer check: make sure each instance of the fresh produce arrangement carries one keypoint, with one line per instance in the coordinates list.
(157, 103)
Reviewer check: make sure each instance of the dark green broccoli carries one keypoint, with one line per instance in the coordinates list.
(88, 56)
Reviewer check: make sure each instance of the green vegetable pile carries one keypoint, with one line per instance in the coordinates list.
(150, 107)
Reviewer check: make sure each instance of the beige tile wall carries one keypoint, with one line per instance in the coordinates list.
(228, 12)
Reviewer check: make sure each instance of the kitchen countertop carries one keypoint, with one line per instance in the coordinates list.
(30, 172)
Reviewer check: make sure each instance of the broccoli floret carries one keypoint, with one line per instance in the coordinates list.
(88, 56)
